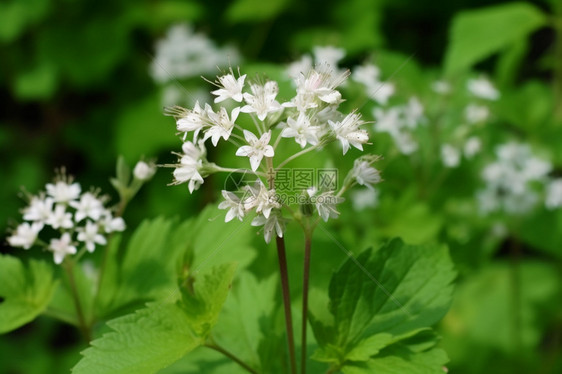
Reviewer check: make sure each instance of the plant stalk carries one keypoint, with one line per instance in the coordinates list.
(281, 253)
(231, 356)
(305, 287)
(82, 324)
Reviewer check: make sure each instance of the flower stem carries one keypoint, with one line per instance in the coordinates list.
(305, 287)
(286, 301)
(82, 324)
(231, 356)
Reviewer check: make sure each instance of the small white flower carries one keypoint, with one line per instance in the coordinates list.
(257, 148)
(450, 156)
(262, 100)
(300, 67)
(231, 88)
(60, 218)
(39, 209)
(260, 198)
(90, 236)
(348, 133)
(441, 87)
(192, 120)
(367, 74)
(387, 120)
(364, 173)
(413, 113)
(233, 204)
(405, 142)
(222, 125)
(62, 247)
(112, 224)
(274, 223)
(554, 194)
(474, 113)
(25, 235)
(482, 88)
(63, 192)
(326, 205)
(472, 146)
(301, 130)
(188, 168)
(328, 55)
(87, 206)
(144, 171)
(381, 92)
(321, 85)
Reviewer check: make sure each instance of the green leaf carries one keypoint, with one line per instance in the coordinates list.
(245, 321)
(399, 359)
(368, 347)
(477, 34)
(144, 342)
(204, 296)
(16, 15)
(25, 291)
(255, 10)
(398, 290)
(40, 82)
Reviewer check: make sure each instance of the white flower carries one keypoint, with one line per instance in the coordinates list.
(364, 173)
(25, 235)
(144, 171)
(441, 87)
(231, 88)
(62, 247)
(39, 209)
(192, 120)
(326, 205)
(367, 74)
(482, 88)
(474, 113)
(262, 100)
(222, 125)
(364, 198)
(387, 120)
(63, 192)
(90, 236)
(112, 224)
(260, 198)
(450, 156)
(188, 168)
(348, 133)
(381, 92)
(274, 223)
(87, 206)
(321, 85)
(257, 148)
(233, 204)
(405, 142)
(554, 194)
(301, 130)
(59, 218)
(472, 146)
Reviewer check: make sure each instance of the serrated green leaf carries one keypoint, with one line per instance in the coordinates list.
(25, 291)
(477, 34)
(368, 347)
(396, 290)
(204, 296)
(245, 321)
(144, 342)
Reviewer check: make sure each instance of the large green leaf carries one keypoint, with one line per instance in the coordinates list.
(143, 342)
(245, 322)
(477, 34)
(399, 290)
(25, 291)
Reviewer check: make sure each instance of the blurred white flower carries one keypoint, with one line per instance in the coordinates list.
(364, 173)
(39, 209)
(472, 146)
(364, 198)
(62, 247)
(88, 206)
(60, 218)
(90, 236)
(274, 224)
(450, 156)
(63, 192)
(234, 206)
(25, 235)
(441, 87)
(482, 88)
(554, 194)
(143, 171)
(474, 113)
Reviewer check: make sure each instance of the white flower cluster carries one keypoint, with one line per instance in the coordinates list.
(369, 76)
(78, 217)
(311, 118)
(400, 122)
(509, 181)
(183, 54)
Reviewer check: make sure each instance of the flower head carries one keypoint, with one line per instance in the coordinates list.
(348, 133)
(256, 149)
(233, 204)
(62, 247)
(262, 100)
(229, 88)
(301, 130)
(90, 236)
